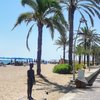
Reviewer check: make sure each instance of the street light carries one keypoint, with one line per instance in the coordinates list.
(82, 20)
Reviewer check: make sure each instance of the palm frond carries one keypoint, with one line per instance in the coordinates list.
(97, 1)
(88, 7)
(44, 5)
(91, 19)
(54, 4)
(23, 17)
(59, 42)
(95, 4)
(97, 13)
(49, 23)
(30, 3)
(62, 41)
(51, 29)
(61, 29)
(59, 16)
(28, 37)
(49, 11)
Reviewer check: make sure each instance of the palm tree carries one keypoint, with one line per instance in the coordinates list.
(90, 7)
(84, 39)
(62, 42)
(44, 12)
(95, 43)
(90, 40)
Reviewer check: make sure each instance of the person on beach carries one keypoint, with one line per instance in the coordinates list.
(30, 81)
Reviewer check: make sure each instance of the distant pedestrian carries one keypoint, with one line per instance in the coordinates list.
(30, 81)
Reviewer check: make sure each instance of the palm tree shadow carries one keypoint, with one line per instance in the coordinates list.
(54, 86)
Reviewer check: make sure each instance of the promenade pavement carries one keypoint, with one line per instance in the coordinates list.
(83, 94)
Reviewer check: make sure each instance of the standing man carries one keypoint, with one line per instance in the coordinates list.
(30, 81)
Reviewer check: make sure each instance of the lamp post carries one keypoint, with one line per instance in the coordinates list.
(82, 20)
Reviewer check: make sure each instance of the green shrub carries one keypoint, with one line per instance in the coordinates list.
(79, 66)
(62, 69)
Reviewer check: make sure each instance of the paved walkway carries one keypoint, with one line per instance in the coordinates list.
(82, 94)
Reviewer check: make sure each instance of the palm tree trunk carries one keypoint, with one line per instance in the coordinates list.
(85, 50)
(71, 19)
(39, 51)
(79, 59)
(88, 60)
(93, 58)
(84, 59)
(64, 53)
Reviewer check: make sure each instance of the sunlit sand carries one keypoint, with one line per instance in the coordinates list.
(13, 83)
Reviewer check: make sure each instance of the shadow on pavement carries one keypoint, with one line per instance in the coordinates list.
(52, 87)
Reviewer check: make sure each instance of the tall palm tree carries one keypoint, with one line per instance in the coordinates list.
(44, 12)
(62, 42)
(90, 7)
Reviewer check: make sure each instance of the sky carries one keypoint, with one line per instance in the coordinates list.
(13, 43)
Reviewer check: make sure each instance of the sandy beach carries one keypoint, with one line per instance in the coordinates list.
(13, 83)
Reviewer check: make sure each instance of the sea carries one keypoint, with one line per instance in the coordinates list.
(5, 61)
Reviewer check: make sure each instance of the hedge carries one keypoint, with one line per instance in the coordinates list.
(62, 69)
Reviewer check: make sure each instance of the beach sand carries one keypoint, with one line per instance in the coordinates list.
(13, 83)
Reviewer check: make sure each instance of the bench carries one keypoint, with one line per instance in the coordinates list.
(86, 81)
